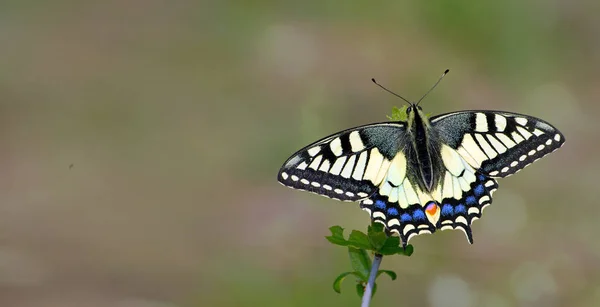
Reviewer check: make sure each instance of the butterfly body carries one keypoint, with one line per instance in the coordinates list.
(424, 146)
(423, 174)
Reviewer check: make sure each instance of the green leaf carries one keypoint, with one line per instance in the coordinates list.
(408, 250)
(375, 227)
(392, 274)
(359, 239)
(398, 114)
(378, 240)
(337, 230)
(391, 246)
(337, 241)
(360, 289)
(376, 236)
(361, 262)
(392, 242)
(337, 283)
(337, 236)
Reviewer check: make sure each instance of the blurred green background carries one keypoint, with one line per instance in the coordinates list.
(140, 142)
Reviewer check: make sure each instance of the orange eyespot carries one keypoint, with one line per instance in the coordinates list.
(432, 208)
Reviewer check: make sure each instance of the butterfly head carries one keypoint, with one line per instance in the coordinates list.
(414, 112)
(415, 117)
(413, 108)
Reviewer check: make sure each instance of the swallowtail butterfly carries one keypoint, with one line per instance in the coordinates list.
(426, 173)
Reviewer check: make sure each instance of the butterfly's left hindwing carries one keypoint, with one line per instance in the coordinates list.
(348, 165)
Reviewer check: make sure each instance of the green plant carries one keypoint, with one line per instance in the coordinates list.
(360, 245)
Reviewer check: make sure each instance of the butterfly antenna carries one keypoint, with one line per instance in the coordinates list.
(431, 89)
(385, 89)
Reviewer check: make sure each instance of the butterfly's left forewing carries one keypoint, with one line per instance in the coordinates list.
(496, 143)
(348, 165)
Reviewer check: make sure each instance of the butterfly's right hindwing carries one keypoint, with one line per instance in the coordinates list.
(348, 165)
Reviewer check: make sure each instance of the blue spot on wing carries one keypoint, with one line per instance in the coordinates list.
(447, 210)
(392, 211)
(460, 209)
(479, 190)
(405, 217)
(419, 215)
(380, 204)
(471, 200)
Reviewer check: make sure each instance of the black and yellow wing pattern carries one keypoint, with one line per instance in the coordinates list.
(348, 165)
(376, 166)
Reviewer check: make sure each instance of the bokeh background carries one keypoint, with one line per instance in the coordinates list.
(140, 141)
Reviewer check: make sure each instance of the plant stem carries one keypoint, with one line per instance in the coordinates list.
(366, 299)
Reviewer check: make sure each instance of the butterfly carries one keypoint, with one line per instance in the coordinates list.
(422, 174)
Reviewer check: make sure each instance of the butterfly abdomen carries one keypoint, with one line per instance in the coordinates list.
(425, 145)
